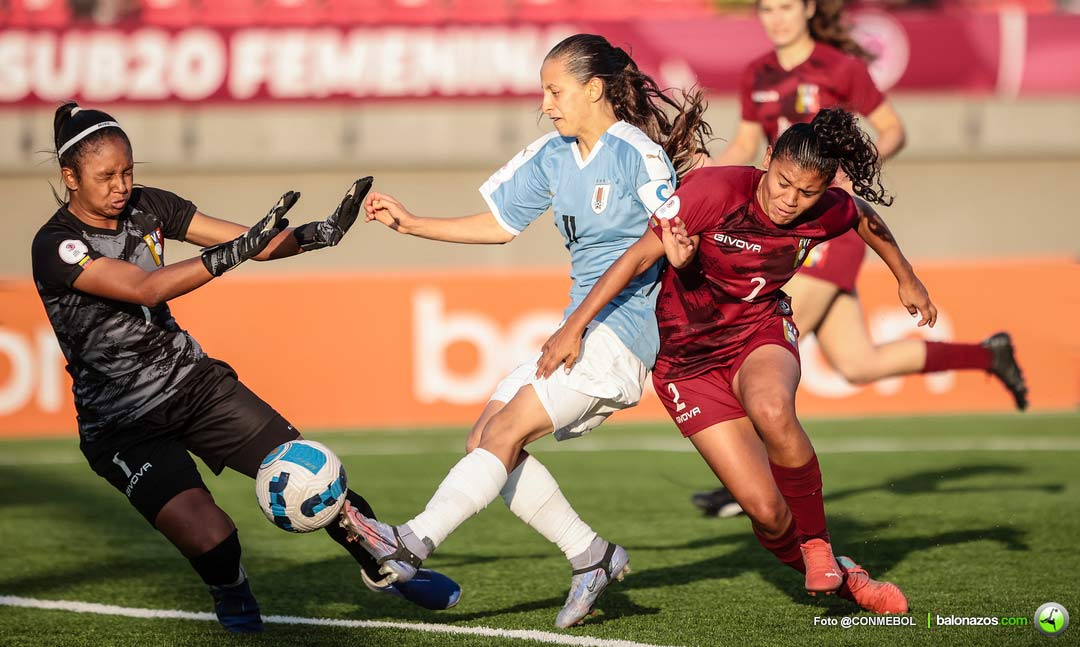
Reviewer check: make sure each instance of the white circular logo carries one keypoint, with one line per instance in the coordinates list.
(72, 251)
(669, 209)
(885, 38)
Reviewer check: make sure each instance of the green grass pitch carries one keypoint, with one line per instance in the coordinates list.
(971, 516)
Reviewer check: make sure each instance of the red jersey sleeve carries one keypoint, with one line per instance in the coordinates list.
(863, 96)
(746, 94)
(701, 200)
(840, 212)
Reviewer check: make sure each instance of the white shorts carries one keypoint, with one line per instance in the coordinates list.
(607, 378)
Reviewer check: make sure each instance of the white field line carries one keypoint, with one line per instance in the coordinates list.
(675, 444)
(545, 637)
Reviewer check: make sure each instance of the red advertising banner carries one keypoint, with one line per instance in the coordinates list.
(1009, 53)
(429, 348)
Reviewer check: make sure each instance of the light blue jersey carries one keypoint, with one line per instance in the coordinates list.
(602, 206)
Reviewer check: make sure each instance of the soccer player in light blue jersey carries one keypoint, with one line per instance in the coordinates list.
(613, 160)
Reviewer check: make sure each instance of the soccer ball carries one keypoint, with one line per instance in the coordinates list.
(301, 486)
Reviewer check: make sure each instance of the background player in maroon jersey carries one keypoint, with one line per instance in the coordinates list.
(816, 64)
(728, 365)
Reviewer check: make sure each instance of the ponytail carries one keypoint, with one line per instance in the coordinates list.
(832, 141)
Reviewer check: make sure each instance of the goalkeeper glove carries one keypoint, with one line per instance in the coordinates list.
(222, 257)
(329, 232)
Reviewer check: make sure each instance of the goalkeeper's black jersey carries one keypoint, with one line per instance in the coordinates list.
(124, 358)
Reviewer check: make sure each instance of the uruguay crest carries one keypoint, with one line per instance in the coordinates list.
(600, 198)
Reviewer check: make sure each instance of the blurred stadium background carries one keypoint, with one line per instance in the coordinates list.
(232, 102)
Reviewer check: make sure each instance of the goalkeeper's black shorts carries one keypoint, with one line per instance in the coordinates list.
(212, 415)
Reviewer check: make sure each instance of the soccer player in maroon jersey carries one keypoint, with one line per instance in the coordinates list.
(816, 64)
(728, 365)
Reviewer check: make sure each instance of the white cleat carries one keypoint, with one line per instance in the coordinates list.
(383, 543)
(588, 583)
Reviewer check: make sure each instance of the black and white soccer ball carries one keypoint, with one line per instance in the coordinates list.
(301, 486)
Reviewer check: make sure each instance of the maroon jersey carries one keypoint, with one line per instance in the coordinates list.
(708, 310)
(776, 98)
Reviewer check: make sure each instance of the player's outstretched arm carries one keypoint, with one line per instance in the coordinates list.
(207, 231)
(329, 232)
(481, 228)
(222, 257)
(564, 346)
(122, 281)
(912, 292)
(890, 130)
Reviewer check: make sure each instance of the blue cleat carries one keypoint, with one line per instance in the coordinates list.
(236, 608)
(588, 583)
(428, 589)
(382, 541)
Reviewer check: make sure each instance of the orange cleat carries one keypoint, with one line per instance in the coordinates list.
(823, 575)
(868, 593)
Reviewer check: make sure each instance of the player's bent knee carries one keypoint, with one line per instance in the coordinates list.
(771, 411)
(502, 428)
(770, 514)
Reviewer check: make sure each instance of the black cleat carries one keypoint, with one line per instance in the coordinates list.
(1003, 365)
(717, 503)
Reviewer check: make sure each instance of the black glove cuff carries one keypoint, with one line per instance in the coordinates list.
(307, 236)
(217, 259)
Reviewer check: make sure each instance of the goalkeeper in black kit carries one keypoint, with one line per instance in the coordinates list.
(145, 392)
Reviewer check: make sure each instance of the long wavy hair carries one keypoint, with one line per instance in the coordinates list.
(827, 26)
(637, 99)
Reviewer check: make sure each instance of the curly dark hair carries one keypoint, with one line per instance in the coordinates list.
(637, 99)
(834, 140)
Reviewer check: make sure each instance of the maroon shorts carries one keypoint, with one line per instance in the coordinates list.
(837, 261)
(699, 402)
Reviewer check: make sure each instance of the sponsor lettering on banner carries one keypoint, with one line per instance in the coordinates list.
(431, 346)
(914, 52)
(196, 64)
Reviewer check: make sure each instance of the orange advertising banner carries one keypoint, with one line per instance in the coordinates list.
(377, 350)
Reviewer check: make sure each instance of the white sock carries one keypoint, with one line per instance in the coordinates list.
(467, 489)
(533, 495)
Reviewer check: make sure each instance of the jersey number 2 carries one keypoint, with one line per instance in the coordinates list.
(759, 283)
(679, 406)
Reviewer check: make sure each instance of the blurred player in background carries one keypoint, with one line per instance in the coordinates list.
(613, 159)
(728, 366)
(145, 392)
(816, 64)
